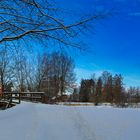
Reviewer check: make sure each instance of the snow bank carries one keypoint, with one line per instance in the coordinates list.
(30, 121)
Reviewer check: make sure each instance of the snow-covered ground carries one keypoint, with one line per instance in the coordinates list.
(30, 121)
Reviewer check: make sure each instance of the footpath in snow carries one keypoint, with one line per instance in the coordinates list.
(30, 121)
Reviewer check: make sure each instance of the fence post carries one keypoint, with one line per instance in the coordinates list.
(19, 97)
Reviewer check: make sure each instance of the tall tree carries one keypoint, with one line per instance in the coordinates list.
(118, 88)
(42, 70)
(74, 97)
(23, 69)
(86, 90)
(57, 73)
(19, 69)
(98, 94)
(5, 66)
(107, 85)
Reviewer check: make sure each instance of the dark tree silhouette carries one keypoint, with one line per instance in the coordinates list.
(98, 95)
(86, 90)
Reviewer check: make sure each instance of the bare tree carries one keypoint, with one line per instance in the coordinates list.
(133, 95)
(30, 73)
(5, 67)
(19, 68)
(42, 70)
(107, 85)
(64, 70)
(55, 73)
(32, 19)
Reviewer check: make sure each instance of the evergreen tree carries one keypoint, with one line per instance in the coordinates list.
(98, 94)
(86, 90)
(118, 88)
(75, 95)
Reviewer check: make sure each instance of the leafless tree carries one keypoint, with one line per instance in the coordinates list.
(41, 20)
(23, 70)
(66, 71)
(30, 73)
(5, 66)
(55, 73)
(41, 71)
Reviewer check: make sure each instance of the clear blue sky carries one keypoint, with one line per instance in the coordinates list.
(115, 45)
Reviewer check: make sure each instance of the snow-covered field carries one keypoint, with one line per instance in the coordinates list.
(30, 121)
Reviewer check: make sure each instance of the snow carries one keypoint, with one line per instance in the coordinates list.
(32, 121)
(82, 104)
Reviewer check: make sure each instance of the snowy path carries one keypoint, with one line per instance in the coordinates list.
(29, 121)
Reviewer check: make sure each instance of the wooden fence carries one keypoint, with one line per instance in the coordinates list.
(16, 97)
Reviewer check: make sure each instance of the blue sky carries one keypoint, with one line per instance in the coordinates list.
(115, 43)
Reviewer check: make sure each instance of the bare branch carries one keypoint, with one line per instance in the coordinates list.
(26, 18)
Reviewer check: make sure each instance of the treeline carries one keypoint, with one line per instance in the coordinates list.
(53, 73)
(23, 70)
(133, 95)
(106, 88)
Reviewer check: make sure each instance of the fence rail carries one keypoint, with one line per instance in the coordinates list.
(16, 97)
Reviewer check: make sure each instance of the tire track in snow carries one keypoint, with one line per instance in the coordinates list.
(81, 124)
(32, 134)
